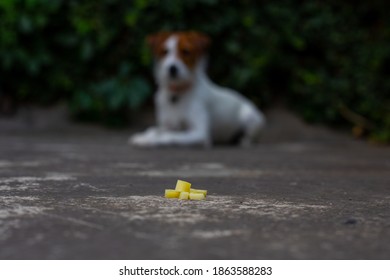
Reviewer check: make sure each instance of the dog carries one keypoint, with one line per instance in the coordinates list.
(191, 110)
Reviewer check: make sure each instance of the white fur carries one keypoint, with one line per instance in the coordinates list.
(161, 69)
(203, 115)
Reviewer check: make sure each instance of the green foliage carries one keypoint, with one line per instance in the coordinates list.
(328, 60)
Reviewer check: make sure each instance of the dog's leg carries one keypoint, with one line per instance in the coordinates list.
(197, 135)
(143, 138)
(158, 137)
(252, 121)
(193, 137)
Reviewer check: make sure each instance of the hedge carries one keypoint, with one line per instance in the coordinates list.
(327, 60)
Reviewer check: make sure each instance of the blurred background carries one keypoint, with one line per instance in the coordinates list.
(328, 61)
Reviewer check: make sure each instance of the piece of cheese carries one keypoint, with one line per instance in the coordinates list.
(199, 191)
(184, 191)
(169, 193)
(184, 195)
(197, 196)
(183, 186)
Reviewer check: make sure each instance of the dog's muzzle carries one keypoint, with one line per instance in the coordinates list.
(179, 88)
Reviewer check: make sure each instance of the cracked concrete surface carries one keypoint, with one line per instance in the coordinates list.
(80, 192)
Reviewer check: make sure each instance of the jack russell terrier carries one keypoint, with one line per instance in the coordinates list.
(191, 109)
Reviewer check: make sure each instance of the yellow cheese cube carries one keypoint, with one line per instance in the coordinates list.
(183, 191)
(184, 195)
(183, 186)
(199, 191)
(197, 196)
(171, 193)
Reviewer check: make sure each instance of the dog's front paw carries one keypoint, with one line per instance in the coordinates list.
(148, 139)
(141, 140)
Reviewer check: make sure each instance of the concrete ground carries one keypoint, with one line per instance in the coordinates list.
(80, 192)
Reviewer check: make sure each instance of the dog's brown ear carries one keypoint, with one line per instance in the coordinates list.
(155, 40)
(201, 40)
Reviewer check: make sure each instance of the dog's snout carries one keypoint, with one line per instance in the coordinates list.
(173, 71)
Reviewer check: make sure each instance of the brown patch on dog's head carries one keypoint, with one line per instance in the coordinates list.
(191, 45)
(156, 42)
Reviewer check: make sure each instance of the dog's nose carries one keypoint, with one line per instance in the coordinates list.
(173, 71)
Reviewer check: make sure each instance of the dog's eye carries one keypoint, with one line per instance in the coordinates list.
(164, 52)
(185, 52)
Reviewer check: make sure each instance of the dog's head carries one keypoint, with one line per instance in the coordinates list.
(179, 57)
